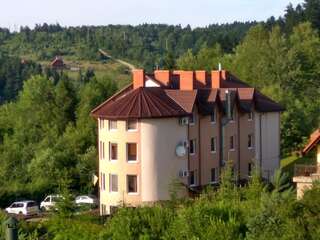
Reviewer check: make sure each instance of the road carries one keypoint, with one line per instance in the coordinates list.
(129, 65)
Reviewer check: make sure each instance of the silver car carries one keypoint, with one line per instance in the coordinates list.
(26, 208)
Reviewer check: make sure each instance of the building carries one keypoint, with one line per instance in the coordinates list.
(182, 126)
(57, 63)
(305, 175)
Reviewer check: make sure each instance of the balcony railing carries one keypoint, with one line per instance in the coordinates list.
(304, 170)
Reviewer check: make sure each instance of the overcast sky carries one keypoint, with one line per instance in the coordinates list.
(103, 12)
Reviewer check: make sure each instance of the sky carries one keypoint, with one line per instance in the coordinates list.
(15, 13)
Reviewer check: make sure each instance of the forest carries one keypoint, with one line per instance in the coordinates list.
(47, 136)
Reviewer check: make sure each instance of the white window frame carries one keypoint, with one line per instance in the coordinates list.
(214, 113)
(194, 180)
(132, 130)
(110, 183)
(215, 174)
(193, 117)
(101, 150)
(250, 116)
(109, 126)
(127, 184)
(127, 152)
(252, 145)
(101, 123)
(215, 144)
(194, 143)
(110, 152)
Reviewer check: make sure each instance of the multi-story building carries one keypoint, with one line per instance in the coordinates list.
(182, 126)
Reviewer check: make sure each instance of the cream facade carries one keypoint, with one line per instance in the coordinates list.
(149, 152)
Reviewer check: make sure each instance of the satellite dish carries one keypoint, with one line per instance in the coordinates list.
(181, 150)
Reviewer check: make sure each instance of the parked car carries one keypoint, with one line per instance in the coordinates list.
(26, 208)
(50, 202)
(87, 200)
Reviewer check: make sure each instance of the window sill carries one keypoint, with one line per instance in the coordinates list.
(192, 154)
(193, 185)
(213, 122)
(113, 192)
(215, 182)
(133, 193)
(113, 160)
(113, 130)
(132, 130)
(132, 161)
(250, 148)
(232, 150)
(213, 152)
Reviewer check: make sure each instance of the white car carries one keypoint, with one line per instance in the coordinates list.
(50, 202)
(26, 208)
(87, 199)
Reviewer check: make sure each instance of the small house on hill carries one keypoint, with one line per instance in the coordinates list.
(305, 175)
(58, 63)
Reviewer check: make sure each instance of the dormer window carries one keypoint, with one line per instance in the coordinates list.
(132, 124)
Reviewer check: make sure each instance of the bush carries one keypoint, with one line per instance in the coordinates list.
(139, 223)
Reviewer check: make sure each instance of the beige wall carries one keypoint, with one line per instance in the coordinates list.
(269, 156)
(120, 167)
(159, 163)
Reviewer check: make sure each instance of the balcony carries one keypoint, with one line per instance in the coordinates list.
(304, 170)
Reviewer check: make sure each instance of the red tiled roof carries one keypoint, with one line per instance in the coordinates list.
(186, 99)
(313, 141)
(169, 101)
(152, 102)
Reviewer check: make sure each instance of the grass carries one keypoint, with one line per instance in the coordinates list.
(287, 164)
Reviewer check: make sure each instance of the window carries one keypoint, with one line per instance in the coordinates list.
(132, 152)
(101, 150)
(192, 119)
(101, 123)
(233, 113)
(213, 116)
(132, 124)
(249, 169)
(250, 141)
(213, 175)
(231, 144)
(250, 116)
(132, 183)
(213, 144)
(192, 179)
(113, 150)
(112, 125)
(113, 181)
(192, 147)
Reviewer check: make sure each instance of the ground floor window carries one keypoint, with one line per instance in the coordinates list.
(192, 178)
(214, 175)
(132, 183)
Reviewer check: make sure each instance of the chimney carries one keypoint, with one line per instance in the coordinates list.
(162, 76)
(138, 78)
(201, 78)
(217, 78)
(186, 80)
